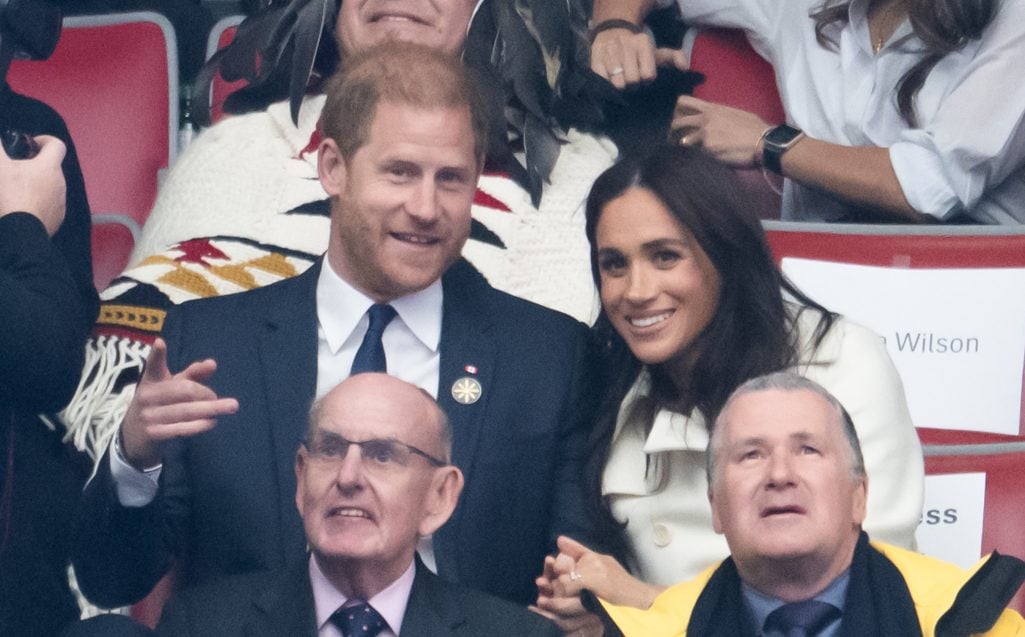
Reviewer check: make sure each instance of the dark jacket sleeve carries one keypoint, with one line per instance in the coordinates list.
(570, 515)
(43, 319)
(47, 300)
(47, 306)
(120, 553)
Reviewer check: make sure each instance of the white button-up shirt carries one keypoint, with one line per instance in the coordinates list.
(968, 154)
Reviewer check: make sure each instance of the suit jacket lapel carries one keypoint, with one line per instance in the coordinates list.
(430, 613)
(467, 351)
(720, 610)
(288, 361)
(285, 607)
(878, 601)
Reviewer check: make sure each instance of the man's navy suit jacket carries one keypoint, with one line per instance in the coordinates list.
(273, 604)
(226, 502)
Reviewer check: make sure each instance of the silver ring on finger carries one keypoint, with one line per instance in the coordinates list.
(616, 71)
(574, 576)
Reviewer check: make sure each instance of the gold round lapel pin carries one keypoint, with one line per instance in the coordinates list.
(466, 390)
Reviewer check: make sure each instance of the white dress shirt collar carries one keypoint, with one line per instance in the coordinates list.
(340, 307)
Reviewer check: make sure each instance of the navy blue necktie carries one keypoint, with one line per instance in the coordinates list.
(802, 619)
(370, 356)
(359, 620)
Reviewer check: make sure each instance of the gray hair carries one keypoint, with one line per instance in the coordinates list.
(787, 381)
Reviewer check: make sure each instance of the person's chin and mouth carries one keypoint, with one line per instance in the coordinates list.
(348, 512)
(344, 530)
(648, 325)
(417, 242)
(399, 27)
(655, 336)
(415, 259)
(785, 513)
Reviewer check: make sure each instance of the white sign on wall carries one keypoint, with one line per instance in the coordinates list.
(957, 336)
(951, 525)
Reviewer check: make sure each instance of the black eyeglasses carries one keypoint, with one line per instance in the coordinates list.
(378, 455)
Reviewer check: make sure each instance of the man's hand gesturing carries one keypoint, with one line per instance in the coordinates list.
(168, 406)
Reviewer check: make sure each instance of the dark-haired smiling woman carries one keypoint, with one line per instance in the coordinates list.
(692, 306)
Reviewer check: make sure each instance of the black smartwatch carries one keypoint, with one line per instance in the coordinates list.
(777, 141)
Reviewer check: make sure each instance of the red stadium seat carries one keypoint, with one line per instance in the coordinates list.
(735, 75)
(900, 246)
(114, 79)
(221, 36)
(113, 237)
(1004, 507)
(934, 247)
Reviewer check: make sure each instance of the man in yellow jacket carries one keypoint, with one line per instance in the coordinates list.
(787, 486)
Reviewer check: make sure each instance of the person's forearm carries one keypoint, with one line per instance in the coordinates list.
(860, 175)
(41, 313)
(638, 595)
(630, 10)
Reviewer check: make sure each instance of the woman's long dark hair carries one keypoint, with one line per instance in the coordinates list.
(750, 334)
(943, 26)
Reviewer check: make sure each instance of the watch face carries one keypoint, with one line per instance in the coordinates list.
(782, 135)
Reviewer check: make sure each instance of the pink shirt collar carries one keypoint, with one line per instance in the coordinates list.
(390, 602)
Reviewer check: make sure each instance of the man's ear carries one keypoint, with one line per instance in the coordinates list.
(300, 484)
(716, 522)
(860, 504)
(441, 499)
(331, 167)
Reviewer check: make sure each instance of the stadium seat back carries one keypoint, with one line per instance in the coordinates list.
(735, 75)
(114, 80)
(113, 237)
(1004, 507)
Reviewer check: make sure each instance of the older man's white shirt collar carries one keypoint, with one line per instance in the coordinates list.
(340, 307)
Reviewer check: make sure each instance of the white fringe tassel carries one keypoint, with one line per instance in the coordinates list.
(95, 412)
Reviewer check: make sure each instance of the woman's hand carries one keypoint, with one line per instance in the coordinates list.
(576, 568)
(731, 135)
(860, 175)
(626, 58)
(567, 612)
(623, 54)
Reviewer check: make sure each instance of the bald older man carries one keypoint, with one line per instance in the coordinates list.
(374, 475)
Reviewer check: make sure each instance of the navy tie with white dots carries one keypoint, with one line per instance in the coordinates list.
(358, 620)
